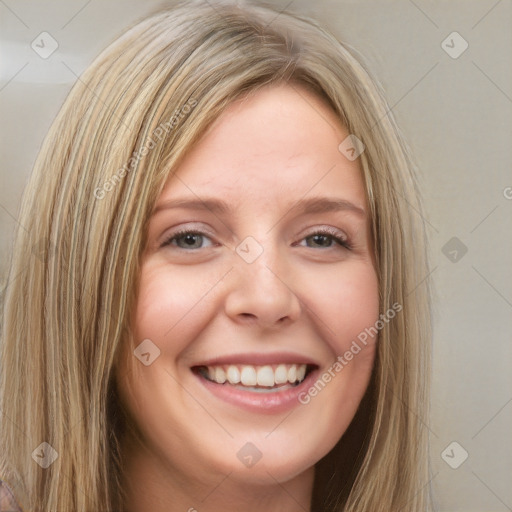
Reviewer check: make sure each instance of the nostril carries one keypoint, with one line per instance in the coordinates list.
(248, 315)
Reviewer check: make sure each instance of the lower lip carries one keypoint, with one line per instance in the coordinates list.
(263, 403)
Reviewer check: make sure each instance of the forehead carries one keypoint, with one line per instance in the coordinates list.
(276, 143)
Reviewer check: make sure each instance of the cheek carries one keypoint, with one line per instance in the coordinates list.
(170, 304)
(347, 302)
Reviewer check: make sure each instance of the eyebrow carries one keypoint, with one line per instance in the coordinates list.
(304, 206)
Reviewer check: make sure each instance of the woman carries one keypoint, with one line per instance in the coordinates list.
(252, 370)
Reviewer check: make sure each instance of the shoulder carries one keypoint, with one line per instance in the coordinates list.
(7, 501)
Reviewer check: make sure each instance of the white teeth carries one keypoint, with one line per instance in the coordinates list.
(292, 374)
(281, 374)
(301, 372)
(248, 376)
(264, 376)
(220, 375)
(233, 375)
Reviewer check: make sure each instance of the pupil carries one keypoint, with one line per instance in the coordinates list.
(319, 238)
(190, 239)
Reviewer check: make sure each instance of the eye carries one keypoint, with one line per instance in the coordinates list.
(186, 239)
(325, 238)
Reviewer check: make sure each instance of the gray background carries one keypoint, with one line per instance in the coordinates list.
(456, 115)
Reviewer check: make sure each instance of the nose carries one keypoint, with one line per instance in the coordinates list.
(261, 293)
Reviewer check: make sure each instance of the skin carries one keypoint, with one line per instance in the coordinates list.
(302, 294)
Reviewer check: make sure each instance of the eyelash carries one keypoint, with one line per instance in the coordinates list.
(342, 242)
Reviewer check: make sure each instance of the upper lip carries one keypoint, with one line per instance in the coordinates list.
(258, 359)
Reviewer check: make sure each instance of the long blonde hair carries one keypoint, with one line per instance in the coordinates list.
(127, 123)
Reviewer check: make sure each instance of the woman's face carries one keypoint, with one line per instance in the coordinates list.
(259, 268)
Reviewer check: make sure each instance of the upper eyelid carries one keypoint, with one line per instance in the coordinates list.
(178, 231)
(201, 230)
(315, 217)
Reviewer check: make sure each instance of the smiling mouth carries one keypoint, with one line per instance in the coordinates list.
(263, 379)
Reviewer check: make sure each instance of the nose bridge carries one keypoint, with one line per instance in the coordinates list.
(260, 288)
(260, 262)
